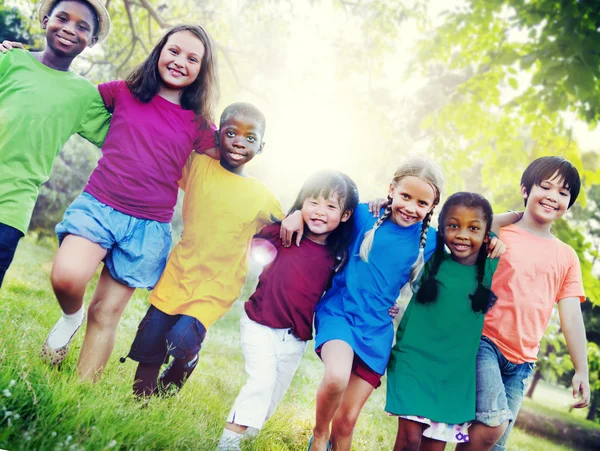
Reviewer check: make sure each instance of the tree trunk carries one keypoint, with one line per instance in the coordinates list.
(593, 406)
(536, 378)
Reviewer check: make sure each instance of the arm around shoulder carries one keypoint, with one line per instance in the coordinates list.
(95, 122)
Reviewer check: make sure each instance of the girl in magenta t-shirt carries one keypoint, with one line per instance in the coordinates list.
(277, 321)
(161, 113)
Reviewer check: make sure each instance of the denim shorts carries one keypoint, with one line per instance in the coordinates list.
(137, 249)
(9, 238)
(160, 335)
(501, 386)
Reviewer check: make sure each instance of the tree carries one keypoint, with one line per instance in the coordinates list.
(13, 26)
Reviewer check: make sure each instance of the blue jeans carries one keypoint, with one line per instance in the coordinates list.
(9, 238)
(160, 335)
(501, 386)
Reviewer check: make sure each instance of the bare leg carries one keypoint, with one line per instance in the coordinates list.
(145, 381)
(355, 396)
(410, 434)
(74, 265)
(237, 428)
(482, 437)
(337, 356)
(429, 444)
(105, 311)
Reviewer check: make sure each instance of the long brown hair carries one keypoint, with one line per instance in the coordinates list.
(201, 96)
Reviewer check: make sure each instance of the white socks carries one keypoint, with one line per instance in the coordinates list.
(230, 441)
(64, 329)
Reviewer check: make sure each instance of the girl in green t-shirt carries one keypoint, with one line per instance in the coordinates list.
(431, 372)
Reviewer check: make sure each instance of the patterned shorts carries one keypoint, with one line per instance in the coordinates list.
(452, 433)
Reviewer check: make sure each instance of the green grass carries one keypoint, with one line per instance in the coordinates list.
(48, 409)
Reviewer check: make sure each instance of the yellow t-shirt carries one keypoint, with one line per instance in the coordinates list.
(533, 274)
(222, 211)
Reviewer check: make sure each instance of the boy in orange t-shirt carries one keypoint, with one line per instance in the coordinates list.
(537, 271)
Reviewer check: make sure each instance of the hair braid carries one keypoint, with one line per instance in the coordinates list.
(415, 271)
(484, 298)
(367, 243)
(428, 290)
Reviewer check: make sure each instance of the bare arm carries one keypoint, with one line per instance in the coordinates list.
(213, 152)
(571, 323)
(290, 225)
(505, 219)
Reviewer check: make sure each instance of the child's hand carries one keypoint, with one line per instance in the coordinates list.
(394, 310)
(581, 385)
(9, 45)
(375, 206)
(496, 247)
(290, 225)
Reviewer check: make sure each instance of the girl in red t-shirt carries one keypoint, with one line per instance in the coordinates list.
(277, 321)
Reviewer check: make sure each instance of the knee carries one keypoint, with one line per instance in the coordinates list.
(409, 436)
(65, 280)
(409, 442)
(335, 382)
(345, 423)
(490, 435)
(104, 314)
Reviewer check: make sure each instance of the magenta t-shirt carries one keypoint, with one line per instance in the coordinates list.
(290, 287)
(144, 153)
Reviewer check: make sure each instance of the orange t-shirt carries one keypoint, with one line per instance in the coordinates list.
(533, 274)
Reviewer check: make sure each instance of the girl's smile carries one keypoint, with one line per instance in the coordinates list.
(412, 199)
(465, 233)
(180, 62)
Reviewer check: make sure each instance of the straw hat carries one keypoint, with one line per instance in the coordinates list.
(101, 12)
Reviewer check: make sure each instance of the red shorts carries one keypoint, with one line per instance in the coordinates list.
(362, 370)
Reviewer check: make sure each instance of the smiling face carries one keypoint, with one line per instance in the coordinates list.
(412, 199)
(465, 233)
(547, 201)
(180, 61)
(240, 139)
(70, 28)
(322, 216)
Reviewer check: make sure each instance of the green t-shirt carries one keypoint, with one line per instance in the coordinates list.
(40, 108)
(431, 372)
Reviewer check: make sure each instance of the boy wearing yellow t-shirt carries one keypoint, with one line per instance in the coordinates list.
(222, 210)
(536, 272)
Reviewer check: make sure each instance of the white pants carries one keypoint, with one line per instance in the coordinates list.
(272, 357)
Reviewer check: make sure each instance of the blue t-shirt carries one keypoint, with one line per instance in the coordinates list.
(355, 308)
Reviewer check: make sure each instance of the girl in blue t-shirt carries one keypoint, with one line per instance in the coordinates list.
(353, 329)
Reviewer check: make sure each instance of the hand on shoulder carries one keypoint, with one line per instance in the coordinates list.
(7, 46)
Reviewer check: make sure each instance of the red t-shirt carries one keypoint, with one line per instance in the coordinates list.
(144, 153)
(290, 287)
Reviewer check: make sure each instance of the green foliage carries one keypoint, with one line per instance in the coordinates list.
(13, 26)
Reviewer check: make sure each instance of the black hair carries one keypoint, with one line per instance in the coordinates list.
(243, 109)
(327, 183)
(96, 23)
(200, 96)
(483, 298)
(545, 168)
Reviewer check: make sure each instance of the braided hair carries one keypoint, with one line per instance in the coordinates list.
(483, 298)
(430, 173)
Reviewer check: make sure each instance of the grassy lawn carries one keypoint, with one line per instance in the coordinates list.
(47, 409)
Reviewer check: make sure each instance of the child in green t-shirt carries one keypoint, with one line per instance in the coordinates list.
(42, 103)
